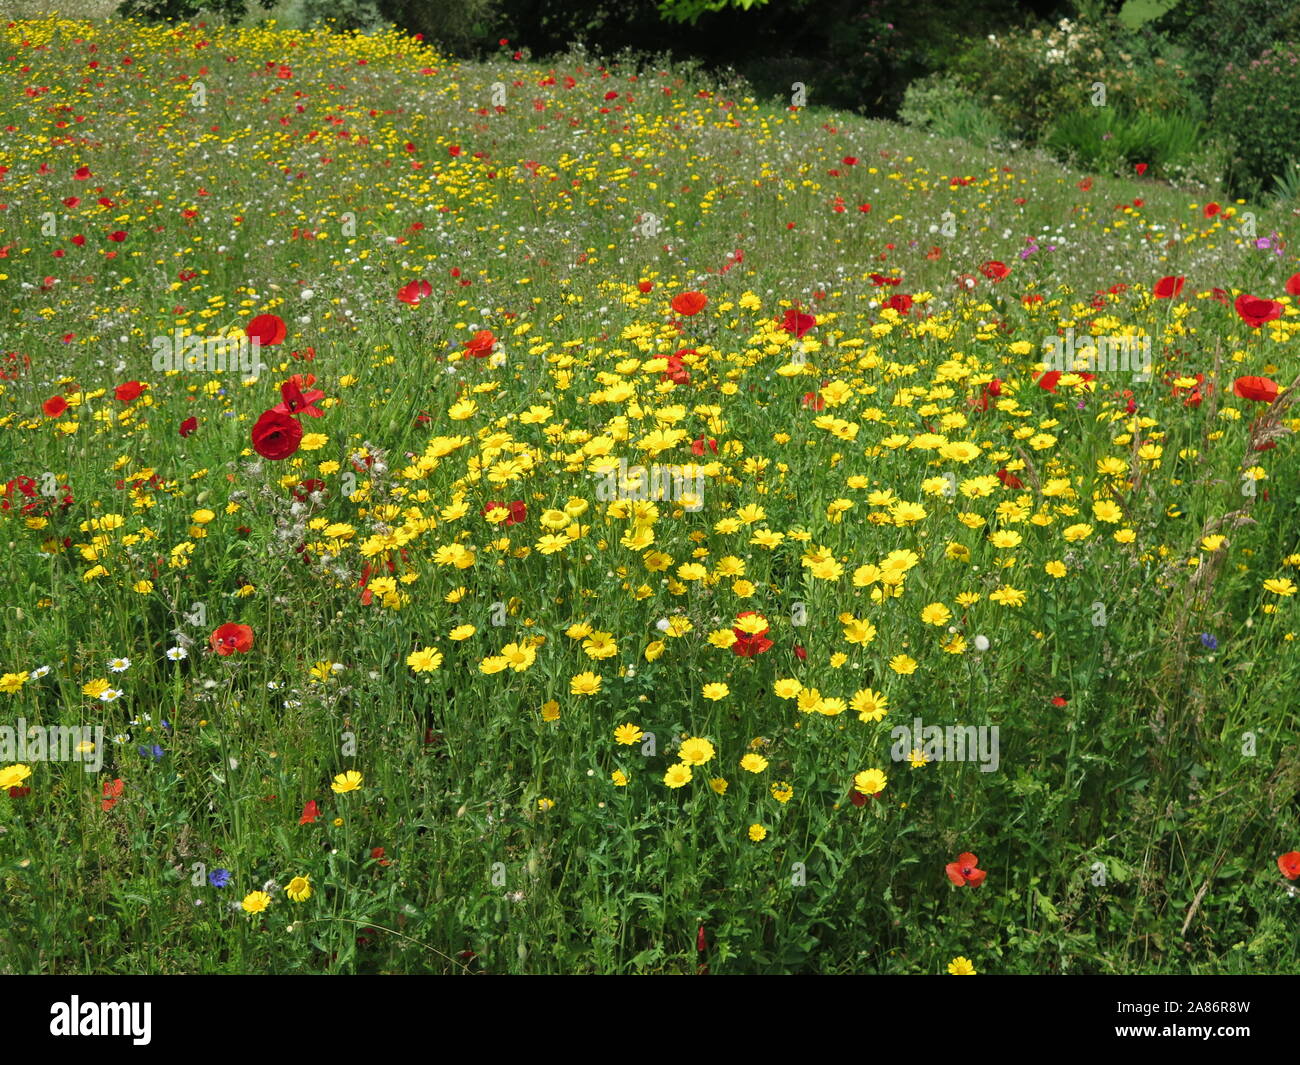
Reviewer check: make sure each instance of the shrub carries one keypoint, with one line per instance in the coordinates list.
(1257, 107)
(941, 104)
(1031, 75)
(1217, 33)
(1113, 139)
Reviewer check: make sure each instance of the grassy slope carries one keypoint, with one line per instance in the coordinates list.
(1111, 821)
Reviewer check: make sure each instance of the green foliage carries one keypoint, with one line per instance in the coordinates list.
(1112, 139)
(1030, 76)
(182, 10)
(1216, 34)
(457, 26)
(941, 104)
(691, 10)
(1257, 107)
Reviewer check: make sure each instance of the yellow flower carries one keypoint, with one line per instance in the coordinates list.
(904, 664)
(719, 785)
(95, 688)
(1008, 596)
(550, 710)
(545, 804)
(757, 833)
(12, 776)
(960, 966)
(619, 778)
(1283, 586)
(696, 751)
(870, 705)
(1055, 569)
(586, 683)
(677, 775)
(628, 734)
(256, 901)
(936, 614)
(461, 632)
(716, 691)
(870, 781)
(425, 660)
(344, 782)
(1107, 510)
(299, 889)
(12, 683)
(753, 763)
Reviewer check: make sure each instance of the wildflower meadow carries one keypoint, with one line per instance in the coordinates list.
(588, 516)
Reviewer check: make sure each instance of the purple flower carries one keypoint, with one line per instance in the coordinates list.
(219, 877)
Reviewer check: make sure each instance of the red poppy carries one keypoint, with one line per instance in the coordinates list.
(112, 791)
(813, 401)
(1211, 209)
(117, 236)
(1141, 168)
(378, 855)
(228, 638)
(800, 653)
(798, 324)
(1289, 864)
(645, 286)
(82, 173)
(481, 343)
(414, 292)
(188, 426)
(698, 445)
(748, 646)
(964, 872)
(1049, 380)
(1060, 700)
(1257, 389)
(1169, 287)
(1293, 285)
(689, 303)
(994, 270)
(310, 813)
(276, 436)
(676, 370)
(295, 401)
(1255, 312)
(129, 392)
(900, 302)
(54, 406)
(303, 490)
(1009, 479)
(1220, 296)
(267, 329)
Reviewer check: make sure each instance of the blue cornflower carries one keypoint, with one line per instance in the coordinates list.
(219, 877)
(155, 752)
(1209, 642)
